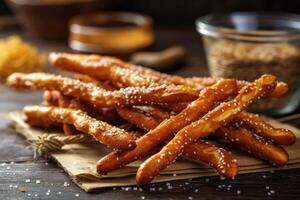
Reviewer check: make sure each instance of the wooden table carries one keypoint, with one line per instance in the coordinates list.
(21, 177)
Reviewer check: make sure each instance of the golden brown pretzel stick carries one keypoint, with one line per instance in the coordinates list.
(169, 127)
(89, 92)
(153, 111)
(89, 79)
(213, 120)
(104, 67)
(51, 98)
(257, 124)
(281, 87)
(139, 119)
(55, 98)
(261, 149)
(109, 135)
(64, 102)
(245, 140)
(218, 158)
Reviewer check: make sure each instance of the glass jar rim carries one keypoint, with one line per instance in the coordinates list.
(250, 27)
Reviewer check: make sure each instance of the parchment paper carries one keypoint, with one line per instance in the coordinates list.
(79, 161)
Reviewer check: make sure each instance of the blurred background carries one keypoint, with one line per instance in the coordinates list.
(170, 12)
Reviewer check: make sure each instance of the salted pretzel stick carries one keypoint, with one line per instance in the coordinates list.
(64, 102)
(257, 124)
(111, 136)
(281, 87)
(139, 119)
(207, 99)
(50, 98)
(216, 157)
(104, 67)
(89, 92)
(261, 127)
(213, 120)
(155, 112)
(245, 140)
(113, 69)
(89, 79)
(55, 98)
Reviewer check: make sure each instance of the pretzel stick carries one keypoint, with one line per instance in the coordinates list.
(64, 102)
(169, 127)
(102, 98)
(153, 111)
(261, 149)
(215, 119)
(280, 90)
(55, 98)
(89, 79)
(216, 157)
(51, 98)
(257, 124)
(139, 119)
(245, 140)
(104, 68)
(109, 135)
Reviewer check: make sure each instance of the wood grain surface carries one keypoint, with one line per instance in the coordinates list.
(22, 177)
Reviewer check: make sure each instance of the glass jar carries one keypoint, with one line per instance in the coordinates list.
(246, 45)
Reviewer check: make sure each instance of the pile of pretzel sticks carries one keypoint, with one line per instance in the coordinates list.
(140, 113)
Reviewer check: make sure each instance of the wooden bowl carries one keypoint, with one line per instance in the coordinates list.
(48, 19)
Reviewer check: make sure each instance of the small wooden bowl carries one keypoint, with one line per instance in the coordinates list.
(48, 19)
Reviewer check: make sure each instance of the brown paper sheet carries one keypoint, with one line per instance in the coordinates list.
(79, 161)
